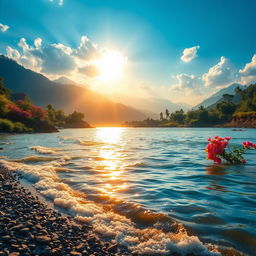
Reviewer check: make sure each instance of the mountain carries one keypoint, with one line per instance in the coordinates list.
(216, 97)
(152, 106)
(64, 80)
(98, 109)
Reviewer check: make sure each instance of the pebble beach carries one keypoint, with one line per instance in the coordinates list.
(28, 226)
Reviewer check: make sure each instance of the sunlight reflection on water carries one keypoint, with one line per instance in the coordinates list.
(161, 170)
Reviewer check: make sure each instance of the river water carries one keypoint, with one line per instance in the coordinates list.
(150, 189)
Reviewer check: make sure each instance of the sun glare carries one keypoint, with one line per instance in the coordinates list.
(111, 65)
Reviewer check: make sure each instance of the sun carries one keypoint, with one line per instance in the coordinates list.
(111, 65)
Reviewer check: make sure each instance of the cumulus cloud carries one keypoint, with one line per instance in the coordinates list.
(248, 73)
(87, 50)
(250, 68)
(12, 53)
(51, 59)
(90, 70)
(38, 42)
(57, 59)
(186, 81)
(221, 74)
(189, 54)
(3, 27)
(60, 2)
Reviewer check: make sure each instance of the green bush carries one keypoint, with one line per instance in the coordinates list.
(6, 125)
(9, 126)
(19, 127)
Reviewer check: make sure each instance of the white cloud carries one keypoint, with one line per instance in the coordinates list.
(220, 75)
(60, 2)
(3, 27)
(87, 50)
(12, 53)
(189, 54)
(250, 68)
(38, 42)
(50, 59)
(186, 81)
(57, 59)
(248, 73)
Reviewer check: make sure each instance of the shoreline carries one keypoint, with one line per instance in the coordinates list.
(29, 225)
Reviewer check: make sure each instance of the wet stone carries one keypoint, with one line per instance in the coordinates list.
(29, 227)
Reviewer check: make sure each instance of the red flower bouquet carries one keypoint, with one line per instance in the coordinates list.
(218, 149)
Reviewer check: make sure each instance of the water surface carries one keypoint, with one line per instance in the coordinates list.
(157, 178)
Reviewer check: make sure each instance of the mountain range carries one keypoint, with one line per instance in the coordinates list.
(98, 110)
(217, 97)
(67, 95)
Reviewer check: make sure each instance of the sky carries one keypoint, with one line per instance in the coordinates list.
(180, 50)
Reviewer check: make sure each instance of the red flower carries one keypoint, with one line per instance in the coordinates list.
(248, 144)
(216, 148)
(17, 112)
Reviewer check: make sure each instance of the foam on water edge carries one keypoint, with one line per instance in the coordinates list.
(44, 150)
(107, 224)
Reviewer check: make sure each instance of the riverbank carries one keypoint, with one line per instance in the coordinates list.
(29, 226)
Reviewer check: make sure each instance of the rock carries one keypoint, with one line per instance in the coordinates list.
(14, 254)
(17, 227)
(80, 247)
(6, 238)
(24, 231)
(42, 239)
(112, 248)
(73, 253)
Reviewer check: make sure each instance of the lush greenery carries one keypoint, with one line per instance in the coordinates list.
(23, 116)
(59, 119)
(233, 110)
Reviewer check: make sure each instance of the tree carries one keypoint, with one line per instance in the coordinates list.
(178, 116)
(3, 90)
(167, 114)
(161, 116)
(228, 97)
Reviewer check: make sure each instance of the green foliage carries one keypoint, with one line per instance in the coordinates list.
(20, 128)
(23, 116)
(248, 99)
(6, 125)
(58, 118)
(4, 102)
(3, 90)
(178, 116)
(9, 126)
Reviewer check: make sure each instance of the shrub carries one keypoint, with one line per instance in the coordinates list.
(4, 102)
(6, 125)
(17, 114)
(19, 127)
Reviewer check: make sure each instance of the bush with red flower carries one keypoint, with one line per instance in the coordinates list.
(219, 149)
(38, 112)
(18, 114)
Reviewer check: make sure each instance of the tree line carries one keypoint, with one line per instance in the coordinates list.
(230, 108)
(18, 114)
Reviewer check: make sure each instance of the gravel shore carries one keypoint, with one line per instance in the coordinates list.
(30, 227)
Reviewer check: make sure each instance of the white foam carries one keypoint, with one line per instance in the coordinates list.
(44, 150)
(115, 227)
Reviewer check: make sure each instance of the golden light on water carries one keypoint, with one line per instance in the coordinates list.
(111, 166)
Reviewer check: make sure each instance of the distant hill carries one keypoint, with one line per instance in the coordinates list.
(98, 109)
(152, 106)
(64, 80)
(216, 97)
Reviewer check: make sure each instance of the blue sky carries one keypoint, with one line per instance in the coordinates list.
(152, 34)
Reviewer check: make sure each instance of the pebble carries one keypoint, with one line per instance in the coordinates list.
(29, 227)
